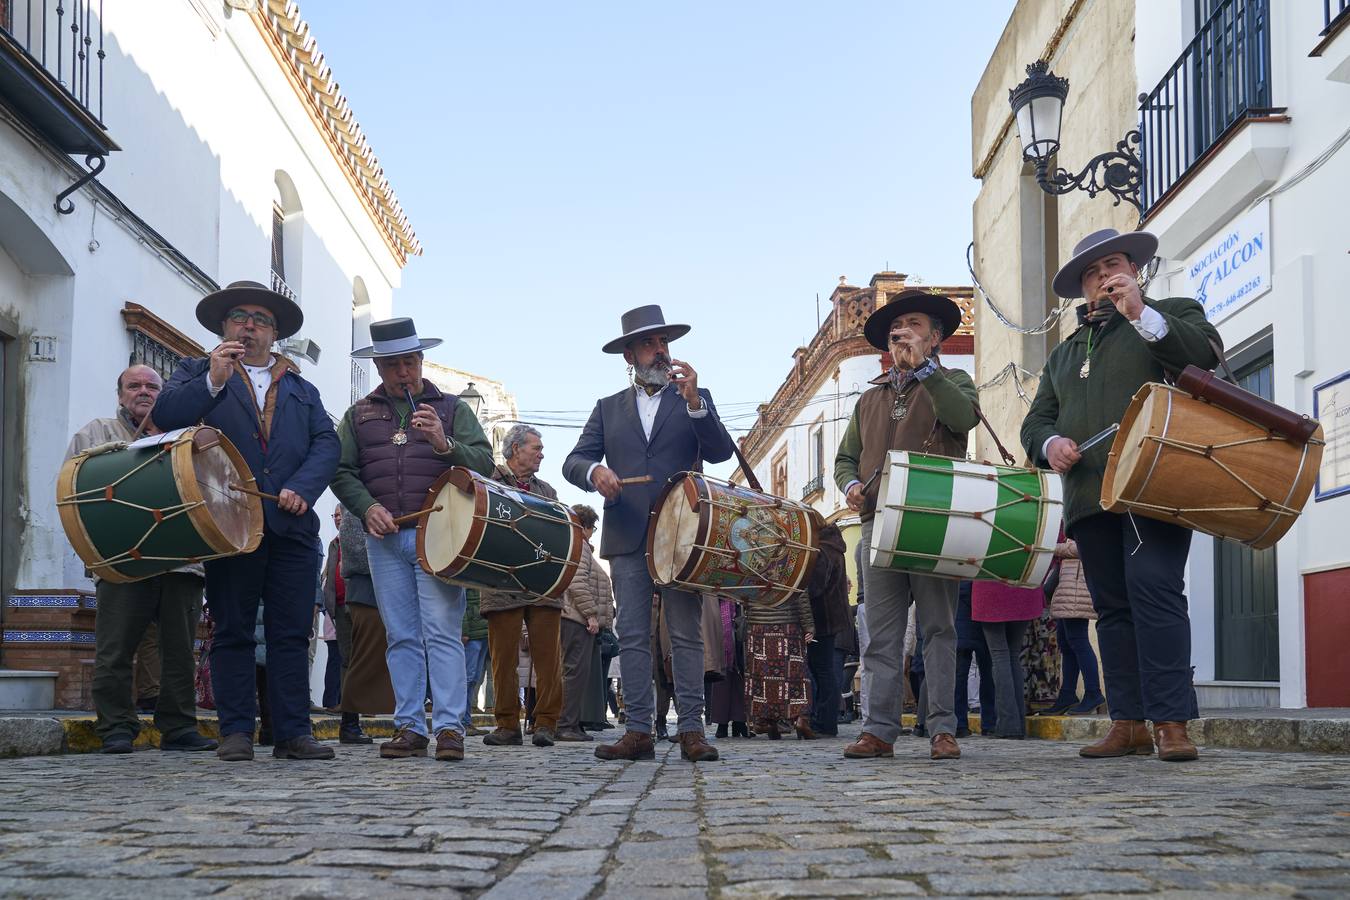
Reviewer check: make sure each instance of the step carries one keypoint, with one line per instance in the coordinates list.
(27, 689)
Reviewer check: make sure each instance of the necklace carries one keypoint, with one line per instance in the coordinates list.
(1087, 363)
(401, 436)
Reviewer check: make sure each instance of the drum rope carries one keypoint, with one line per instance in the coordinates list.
(75, 497)
(983, 570)
(1207, 451)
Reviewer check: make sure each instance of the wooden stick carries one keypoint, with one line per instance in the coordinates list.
(637, 479)
(263, 494)
(399, 520)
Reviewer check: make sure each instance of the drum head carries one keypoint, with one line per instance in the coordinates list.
(1132, 456)
(236, 519)
(674, 530)
(442, 538)
(886, 518)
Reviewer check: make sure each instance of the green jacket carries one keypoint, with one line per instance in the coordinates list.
(475, 627)
(1122, 362)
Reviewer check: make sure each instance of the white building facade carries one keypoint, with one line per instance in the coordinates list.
(227, 153)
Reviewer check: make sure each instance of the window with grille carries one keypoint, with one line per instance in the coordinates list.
(156, 343)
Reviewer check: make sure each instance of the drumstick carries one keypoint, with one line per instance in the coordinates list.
(1098, 438)
(636, 479)
(263, 494)
(399, 520)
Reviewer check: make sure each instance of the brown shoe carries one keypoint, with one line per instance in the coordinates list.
(803, 727)
(869, 746)
(450, 745)
(694, 747)
(237, 747)
(504, 737)
(943, 746)
(634, 745)
(1127, 737)
(1174, 744)
(404, 744)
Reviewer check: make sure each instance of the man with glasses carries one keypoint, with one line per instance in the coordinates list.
(918, 404)
(278, 423)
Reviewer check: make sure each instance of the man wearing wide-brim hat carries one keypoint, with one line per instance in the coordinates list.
(662, 424)
(396, 441)
(1135, 567)
(918, 404)
(276, 419)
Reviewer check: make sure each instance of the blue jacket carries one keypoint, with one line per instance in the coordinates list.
(300, 453)
(613, 435)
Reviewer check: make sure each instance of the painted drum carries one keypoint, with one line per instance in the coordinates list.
(958, 519)
(713, 537)
(133, 511)
(1185, 460)
(483, 534)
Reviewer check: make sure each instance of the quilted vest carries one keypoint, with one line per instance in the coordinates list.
(399, 475)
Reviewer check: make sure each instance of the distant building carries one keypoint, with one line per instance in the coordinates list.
(497, 409)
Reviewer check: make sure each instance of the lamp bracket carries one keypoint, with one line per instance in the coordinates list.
(1119, 173)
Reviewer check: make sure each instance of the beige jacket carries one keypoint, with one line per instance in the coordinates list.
(590, 593)
(119, 428)
(1071, 599)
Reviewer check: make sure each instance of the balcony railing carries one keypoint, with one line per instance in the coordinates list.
(281, 287)
(360, 380)
(814, 486)
(1333, 11)
(64, 38)
(1221, 78)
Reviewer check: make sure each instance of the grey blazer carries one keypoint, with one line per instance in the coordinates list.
(614, 436)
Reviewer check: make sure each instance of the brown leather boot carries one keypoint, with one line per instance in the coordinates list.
(634, 745)
(1127, 737)
(405, 743)
(803, 728)
(1174, 744)
(943, 746)
(450, 745)
(694, 747)
(869, 746)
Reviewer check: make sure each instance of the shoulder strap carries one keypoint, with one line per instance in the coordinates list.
(750, 478)
(1008, 458)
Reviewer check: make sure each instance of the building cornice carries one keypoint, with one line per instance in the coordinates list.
(287, 36)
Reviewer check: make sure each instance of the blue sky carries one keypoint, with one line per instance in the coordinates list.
(562, 163)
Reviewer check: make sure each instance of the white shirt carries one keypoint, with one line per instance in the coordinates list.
(259, 377)
(647, 408)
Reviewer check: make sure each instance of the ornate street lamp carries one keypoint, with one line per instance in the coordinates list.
(472, 399)
(1038, 107)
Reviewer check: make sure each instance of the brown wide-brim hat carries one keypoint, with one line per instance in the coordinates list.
(877, 329)
(212, 309)
(1139, 246)
(643, 320)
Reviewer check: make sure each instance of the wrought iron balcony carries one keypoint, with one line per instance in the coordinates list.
(51, 70)
(814, 486)
(360, 380)
(1333, 11)
(281, 287)
(1220, 79)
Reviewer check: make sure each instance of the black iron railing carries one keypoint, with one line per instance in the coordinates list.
(281, 287)
(146, 351)
(1221, 78)
(360, 380)
(813, 486)
(65, 37)
(1333, 11)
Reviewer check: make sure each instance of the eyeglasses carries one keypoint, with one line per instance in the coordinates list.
(240, 316)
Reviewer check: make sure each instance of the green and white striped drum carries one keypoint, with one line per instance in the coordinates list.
(958, 519)
(484, 534)
(133, 511)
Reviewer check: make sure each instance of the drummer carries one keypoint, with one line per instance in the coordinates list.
(662, 424)
(276, 419)
(396, 441)
(125, 611)
(1135, 566)
(918, 404)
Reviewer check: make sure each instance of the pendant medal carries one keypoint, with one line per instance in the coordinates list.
(1083, 372)
(400, 438)
(899, 410)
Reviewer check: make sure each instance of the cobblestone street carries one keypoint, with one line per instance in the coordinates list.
(786, 819)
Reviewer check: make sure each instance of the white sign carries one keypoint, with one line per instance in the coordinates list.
(1232, 268)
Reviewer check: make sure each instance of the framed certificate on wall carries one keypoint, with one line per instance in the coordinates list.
(1331, 407)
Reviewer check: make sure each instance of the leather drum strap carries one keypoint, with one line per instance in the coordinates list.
(750, 478)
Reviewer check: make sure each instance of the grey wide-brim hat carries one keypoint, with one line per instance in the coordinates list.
(877, 328)
(212, 309)
(643, 320)
(1139, 246)
(394, 337)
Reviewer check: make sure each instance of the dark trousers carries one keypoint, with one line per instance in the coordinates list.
(124, 612)
(1143, 625)
(825, 698)
(1075, 651)
(840, 681)
(342, 624)
(577, 647)
(282, 574)
(332, 677)
(988, 709)
(1010, 683)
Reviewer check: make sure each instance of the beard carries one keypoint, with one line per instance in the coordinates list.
(655, 375)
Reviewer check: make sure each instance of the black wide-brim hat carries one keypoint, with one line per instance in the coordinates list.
(212, 309)
(1139, 246)
(877, 329)
(394, 337)
(643, 320)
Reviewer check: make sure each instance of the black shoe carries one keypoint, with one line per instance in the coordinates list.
(722, 729)
(543, 737)
(237, 747)
(741, 730)
(1058, 708)
(572, 735)
(354, 736)
(302, 747)
(117, 743)
(188, 740)
(920, 732)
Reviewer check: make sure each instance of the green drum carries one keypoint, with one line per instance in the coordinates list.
(959, 519)
(484, 534)
(133, 511)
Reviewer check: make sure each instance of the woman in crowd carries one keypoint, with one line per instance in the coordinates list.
(726, 697)
(1004, 613)
(1071, 608)
(776, 689)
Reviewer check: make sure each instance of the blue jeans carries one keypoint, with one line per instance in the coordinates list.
(475, 664)
(424, 619)
(1078, 659)
(633, 590)
(1005, 650)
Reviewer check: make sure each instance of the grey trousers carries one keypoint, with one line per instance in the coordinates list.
(633, 591)
(889, 594)
(577, 647)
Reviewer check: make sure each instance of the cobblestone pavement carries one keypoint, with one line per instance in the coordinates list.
(783, 819)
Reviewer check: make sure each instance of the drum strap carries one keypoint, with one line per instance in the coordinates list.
(750, 478)
(1008, 458)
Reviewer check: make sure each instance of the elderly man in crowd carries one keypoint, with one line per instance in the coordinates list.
(126, 611)
(1135, 567)
(276, 420)
(918, 405)
(523, 449)
(396, 441)
(661, 424)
